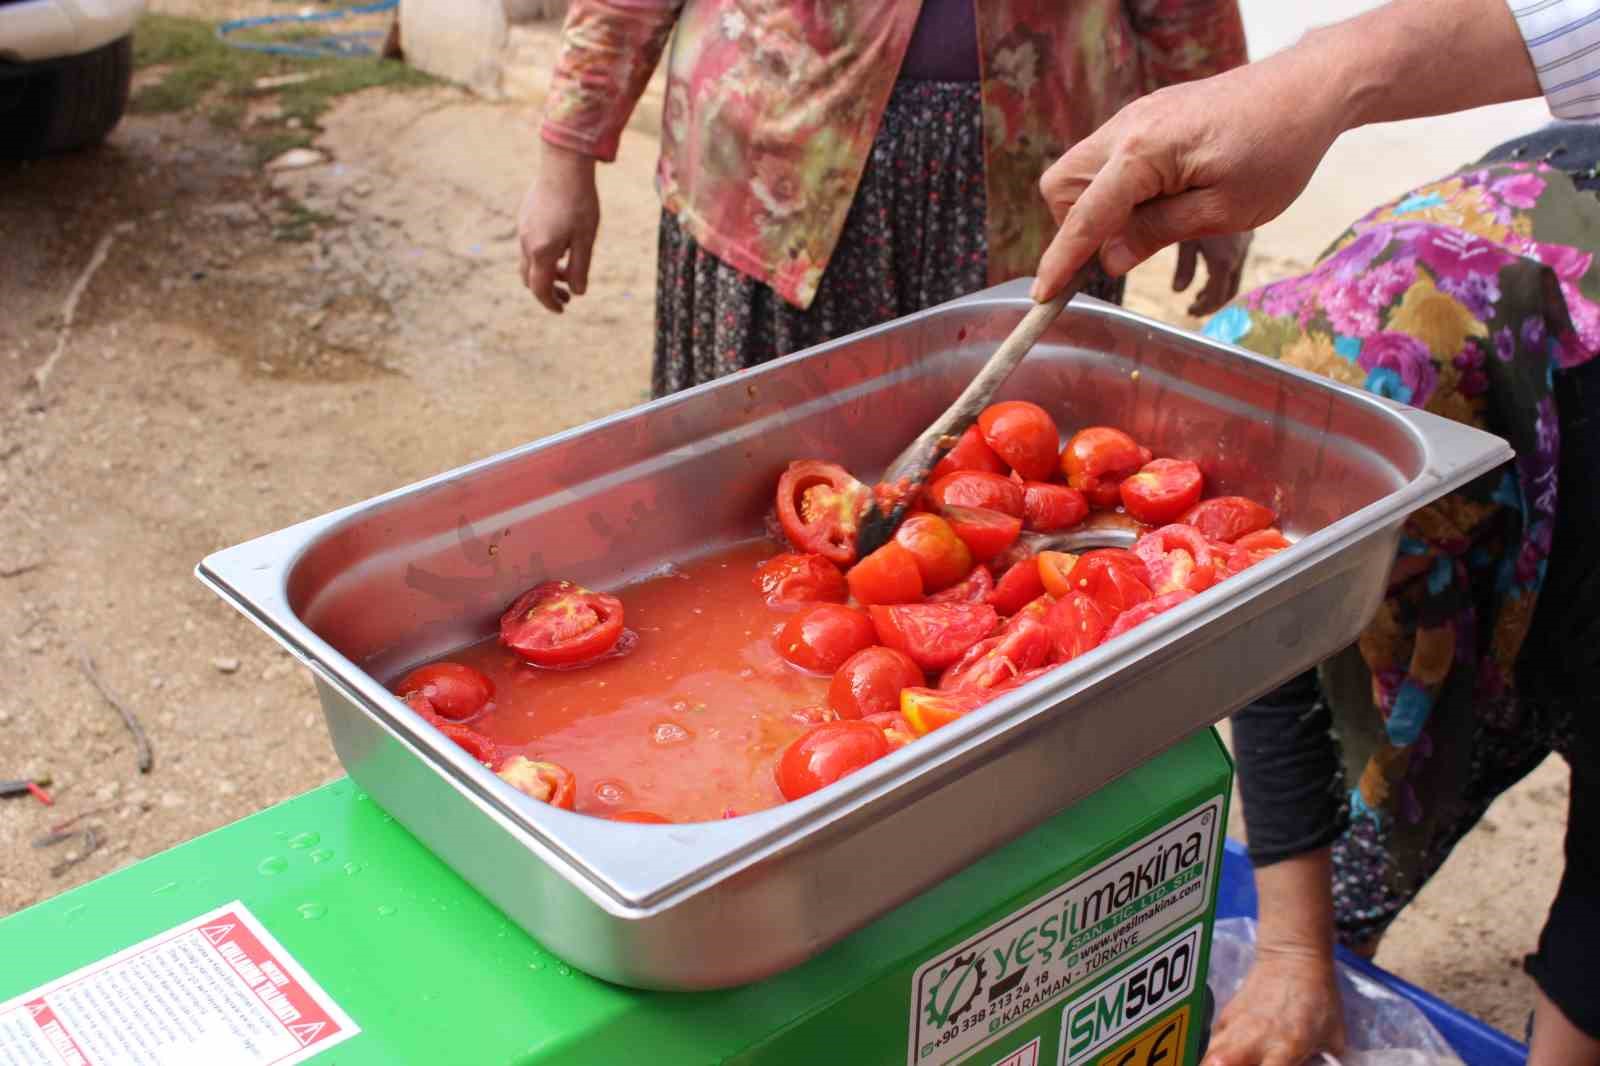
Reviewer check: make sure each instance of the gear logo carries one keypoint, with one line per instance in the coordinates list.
(955, 991)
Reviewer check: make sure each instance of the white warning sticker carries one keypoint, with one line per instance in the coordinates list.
(216, 989)
(970, 994)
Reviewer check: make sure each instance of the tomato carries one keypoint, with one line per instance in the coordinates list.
(896, 730)
(821, 638)
(826, 753)
(1114, 586)
(986, 532)
(820, 507)
(934, 634)
(926, 709)
(869, 682)
(1122, 557)
(1054, 570)
(1146, 611)
(1024, 435)
(1096, 459)
(558, 623)
(970, 453)
(1077, 624)
(453, 690)
(942, 557)
(1022, 679)
(1196, 576)
(644, 817)
(419, 703)
(790, 578)
(1227, 518)
(988, 663)
(1047, 508)
(1162, 490)
(470, 741)
(975, 589)
(1034, 609)
(1017, 586)
(1263, 540)
(972, 488)
(888, 575)
(544, 781)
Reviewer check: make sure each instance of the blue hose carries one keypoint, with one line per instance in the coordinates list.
(334, 46)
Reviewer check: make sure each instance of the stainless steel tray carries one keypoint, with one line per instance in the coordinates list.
(363, 591)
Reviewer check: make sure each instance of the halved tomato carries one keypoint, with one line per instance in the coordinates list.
(454, 690)
(985, 531)
(1096, 460)
(1111, 583)
(970, 453)
(896, 730)
(791, 578)
(1122, 557)
(546, 782)
(1017, 587)
(1024, 646)
(973, 488)
(826, 753)
(888, 575)
(1163, 552)
(1250, 549)
(1162, 490)
(558, 623)
(942, 557)
(1227, 518)
(926, 709)
(820, 507)
(1055, 569)
(1077, 624)
(1024, 435)
(643, 817)
(975, 589)
(1146, 611)
(869, 682)
(934, 634)
(821, 638)
(471, 741)
(1047, 508)
(1034, 609)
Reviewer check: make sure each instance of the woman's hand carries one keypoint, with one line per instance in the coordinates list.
(1224, 259)
(1287, 1010)
(557, 224)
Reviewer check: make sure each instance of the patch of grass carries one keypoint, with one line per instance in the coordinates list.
(299, 223)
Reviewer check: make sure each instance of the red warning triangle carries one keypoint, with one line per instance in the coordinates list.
(217, 933)
(307, 1032)
(36, 1008)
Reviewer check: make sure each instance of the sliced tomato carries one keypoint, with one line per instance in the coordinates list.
(869, 682)
(934, 634)
(454, 690)
(896, 730)
(820, 507)
(986, 532)
(1122, 557)
(1112, 584)
(989, 663)
(970, 453)
(1227, 518)
(1022, 679)
(546, 782)
(1146, 611)
(790, 578)
(942, 557)
(888, 575)
(1017, 587)
(1034, 609)
(1077, 624)
(821, 638)
(975, 589)
(1162, 491)
(642, 817)
(1196, 575)
(558, 623)
(471, 741)
(926, 709)
(1047, 508)
(973, 488)
(1055, 568)
(1024, 435)
(1263, 540)
(1096, 460)
(827, 752)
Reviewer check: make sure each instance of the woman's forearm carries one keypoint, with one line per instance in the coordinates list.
(1295, 905)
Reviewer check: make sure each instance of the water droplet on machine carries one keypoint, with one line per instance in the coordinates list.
(320, 855)
(74, 913)
(564, 970)
(312, 911)
(161, 890)
(304, 840)
(536, 966)
(272, 864)
(352, 868)
(386, 911)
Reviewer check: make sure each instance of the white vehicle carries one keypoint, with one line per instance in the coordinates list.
(65, 68)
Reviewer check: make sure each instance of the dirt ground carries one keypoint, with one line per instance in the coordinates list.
(207, 377)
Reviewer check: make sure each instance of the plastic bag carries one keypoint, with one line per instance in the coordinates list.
(1382, 1028)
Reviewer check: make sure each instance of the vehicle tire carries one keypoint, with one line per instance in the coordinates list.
(71, 103)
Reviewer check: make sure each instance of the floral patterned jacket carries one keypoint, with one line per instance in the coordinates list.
(772, 106)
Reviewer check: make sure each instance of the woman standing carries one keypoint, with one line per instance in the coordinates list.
(825, 167)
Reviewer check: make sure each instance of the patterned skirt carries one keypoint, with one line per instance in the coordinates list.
(914, 237)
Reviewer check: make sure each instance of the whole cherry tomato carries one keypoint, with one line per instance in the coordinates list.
(546, 782)
(926, 709)
(1162, 490)
(558, 623)
(975, 589)
(934, 634)
(1024, 435)
(888, 575)
(1047, 508)
(986, 532)
(989, 663)
(826, 753)
(1146, 611)
(790, 578)
(942, 557)
(820, 507)
(821, 638)
(1077, 624)
(1227, 518)
(1096, 460)
(969, 453)
(1018, 586)
(869, 682)
(454, 690)
(1055, 569)
(972, 488)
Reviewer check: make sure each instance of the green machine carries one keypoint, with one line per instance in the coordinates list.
(321, 931)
